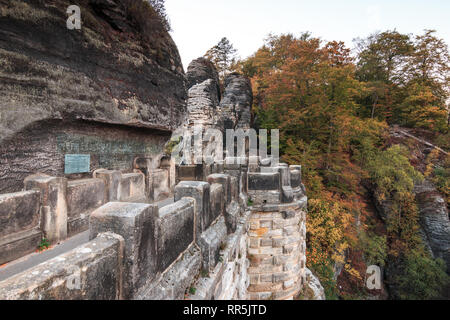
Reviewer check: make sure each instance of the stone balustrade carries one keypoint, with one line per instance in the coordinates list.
(206, 245)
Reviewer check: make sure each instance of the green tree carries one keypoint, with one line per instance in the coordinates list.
(381, 61)
(223, 56)
(428, 84)
(421, 277)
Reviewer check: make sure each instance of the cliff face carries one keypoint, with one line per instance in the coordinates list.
(114, 70)
(203, 94)
(121, 69)
(434, 220)
(201, 70)
(208, 107)
(236, 104)
(433, 211)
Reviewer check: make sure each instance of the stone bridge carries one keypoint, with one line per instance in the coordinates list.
(145, 228)
(238, 234)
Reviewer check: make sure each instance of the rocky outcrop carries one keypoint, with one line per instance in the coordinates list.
(434, 220)
(236, 103)
(121, 69)
(204, 93)
(200, 70)
(313, 289)
(110, 71)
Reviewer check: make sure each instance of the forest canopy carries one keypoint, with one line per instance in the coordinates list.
(334, 108)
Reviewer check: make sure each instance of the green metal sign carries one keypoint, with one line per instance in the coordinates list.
(77, 163)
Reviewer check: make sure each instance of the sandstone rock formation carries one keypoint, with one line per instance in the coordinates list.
(121, 69)
(434, 220)
(202, 69)
(236, 104)
(202, 104)
(313, 288)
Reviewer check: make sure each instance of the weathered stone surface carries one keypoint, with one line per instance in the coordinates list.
(53, 74)
(19, 212)
(53, 205)
(136, 223)
(42, 148)
(200, 191)
(175, 231)
(236, 103)
(283, 169)
(264, 181)
(112, 180)
(229, 279)
(159, 176)
(139, 82)
(211, 242)
(231, 216)
(288, 194)
(276, 251)
(17, 245)
(296, 178)
(313, 289)
(200, 70)
(217, 202)
(174, 283)
(264, 188)
(202, 104)
(434, 220)
(189, 173)
(132, 188)
(234, 188)
(160, 184)
(225, 181)
(89, 272)
(83, 197)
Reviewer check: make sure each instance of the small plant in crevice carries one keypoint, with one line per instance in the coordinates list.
(250, 202)
(43, 245)
(192, 290)
(205, 274)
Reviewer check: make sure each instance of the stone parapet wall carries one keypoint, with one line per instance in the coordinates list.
(206, 245)
(56, 208)
(19, 224)
(90, 272)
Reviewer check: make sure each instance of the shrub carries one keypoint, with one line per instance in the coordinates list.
(421, 277)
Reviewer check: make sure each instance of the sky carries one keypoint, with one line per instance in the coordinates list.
(199, 24)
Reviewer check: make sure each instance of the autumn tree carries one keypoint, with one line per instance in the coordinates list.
(333, 113)
(382, 58)
(428, 84)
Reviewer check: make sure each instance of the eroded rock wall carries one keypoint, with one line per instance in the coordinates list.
(236, 104)
(121, 69)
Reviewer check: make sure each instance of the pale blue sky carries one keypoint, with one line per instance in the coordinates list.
(200, 24)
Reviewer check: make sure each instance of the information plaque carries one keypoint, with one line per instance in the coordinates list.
(77, 163)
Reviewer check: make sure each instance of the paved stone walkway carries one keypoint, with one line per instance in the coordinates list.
(34, 259)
